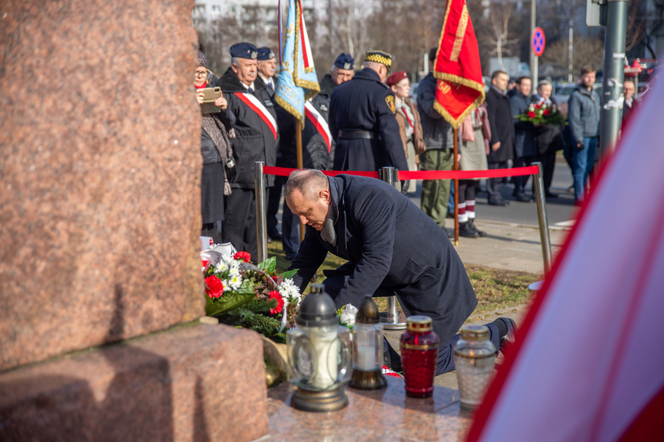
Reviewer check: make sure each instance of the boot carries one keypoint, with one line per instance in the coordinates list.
(466, 231)
(471, 224)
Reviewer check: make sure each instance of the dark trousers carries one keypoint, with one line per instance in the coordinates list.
(290, 229)
(467, 190)
(548, 160)
(274, 195)
(520, 181)
(239, 225)
(336, 280)
(493, 184)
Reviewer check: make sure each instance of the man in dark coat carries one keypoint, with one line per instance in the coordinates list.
(502, 133)
(524, 136)
(317, 152)
(363, 121)
(342, 71)
(267, 66)
(548, 138)
(255, 139)
(369, 223)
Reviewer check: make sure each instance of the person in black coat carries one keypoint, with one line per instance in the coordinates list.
(363, 121)
(369, 223)
(524, 136)
(255, 139)
(342, 71)
(267, 66)
(548, 138)
(502, 133)
(317, 152)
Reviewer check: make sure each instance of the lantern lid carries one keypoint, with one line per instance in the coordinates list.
(419, 324)
(368, 312)
(317, 309)
(473, 332)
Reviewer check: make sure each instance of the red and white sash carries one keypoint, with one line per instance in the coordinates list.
(319, 122)
(258, 107)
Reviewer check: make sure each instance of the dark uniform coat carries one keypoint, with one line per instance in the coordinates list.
(366, 104)
(524, 132)
(502, 126)
(254, 141)
(260, 84)
(327, 84)
(394, 248)
(315, 153)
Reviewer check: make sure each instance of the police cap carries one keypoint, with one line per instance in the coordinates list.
(379, 57)
(344, 61)
(265, 53)
(244, 50)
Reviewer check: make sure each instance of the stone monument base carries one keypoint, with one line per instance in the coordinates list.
(196, 383)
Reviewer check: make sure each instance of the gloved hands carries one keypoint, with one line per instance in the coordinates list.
(404, 187)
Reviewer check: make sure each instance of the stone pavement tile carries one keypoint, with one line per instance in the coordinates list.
(507, 246)
(370, 416)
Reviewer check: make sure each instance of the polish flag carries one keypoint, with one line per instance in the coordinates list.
(588, 364)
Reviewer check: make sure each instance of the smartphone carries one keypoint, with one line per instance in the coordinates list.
(210, 94)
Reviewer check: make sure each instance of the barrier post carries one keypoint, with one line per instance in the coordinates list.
(391, 176)
(541, 217)
(261, 223)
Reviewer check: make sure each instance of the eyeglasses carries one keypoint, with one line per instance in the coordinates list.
(200, 73)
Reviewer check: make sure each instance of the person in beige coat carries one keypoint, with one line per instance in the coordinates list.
(475, 136)
(408, 118)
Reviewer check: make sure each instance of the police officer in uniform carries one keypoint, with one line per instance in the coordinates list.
(254, 139)
(267, 66)
(362, 119)
(342, 71)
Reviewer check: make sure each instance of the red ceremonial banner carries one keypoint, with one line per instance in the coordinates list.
(457, 68)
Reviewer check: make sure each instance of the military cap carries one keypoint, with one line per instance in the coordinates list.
(379, 57)
(244, 50)
(344, 61)
(396, 77)
(265, 53)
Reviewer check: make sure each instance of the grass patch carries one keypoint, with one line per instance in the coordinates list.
(495, 288)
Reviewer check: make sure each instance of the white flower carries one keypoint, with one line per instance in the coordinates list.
(348, 315)
(221, 266)
(235, 282)
(234, 270)
(289, 291)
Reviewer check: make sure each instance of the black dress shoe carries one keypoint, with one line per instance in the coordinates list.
(471, 224)
(510, 337)
(551, 195)
(275, 236)
(497, 202)
(522, 197)
(466, 231)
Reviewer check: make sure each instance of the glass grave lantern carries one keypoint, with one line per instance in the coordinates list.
(368, 348)
(318, 355)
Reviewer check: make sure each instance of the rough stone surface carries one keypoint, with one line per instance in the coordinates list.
(181, 385)
(99, 173)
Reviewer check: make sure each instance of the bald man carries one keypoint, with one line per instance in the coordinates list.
(392, 248)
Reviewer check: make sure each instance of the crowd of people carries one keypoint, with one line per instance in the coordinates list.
(365, 120)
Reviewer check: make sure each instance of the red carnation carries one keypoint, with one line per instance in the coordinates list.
(214, 287)
(531, 114)
(280, 302)
(546, 112)
(242, 256)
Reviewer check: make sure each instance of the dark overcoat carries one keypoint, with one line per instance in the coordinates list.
(260, 84)
(315, 153)
(395, 249)
(366, 104)
(254, 140)
(502, 126)
(524, 132)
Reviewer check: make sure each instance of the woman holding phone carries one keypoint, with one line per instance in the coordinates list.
(216, 151)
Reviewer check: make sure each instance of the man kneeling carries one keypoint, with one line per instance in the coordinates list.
(393, 248)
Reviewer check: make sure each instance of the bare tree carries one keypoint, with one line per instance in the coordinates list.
(587, 50)
(497, 34)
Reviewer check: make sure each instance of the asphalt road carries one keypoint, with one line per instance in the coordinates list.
(559, 210)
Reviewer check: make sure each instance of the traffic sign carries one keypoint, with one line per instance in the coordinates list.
(538, 41)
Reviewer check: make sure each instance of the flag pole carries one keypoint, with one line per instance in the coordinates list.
(456, 187)
(300, 165)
